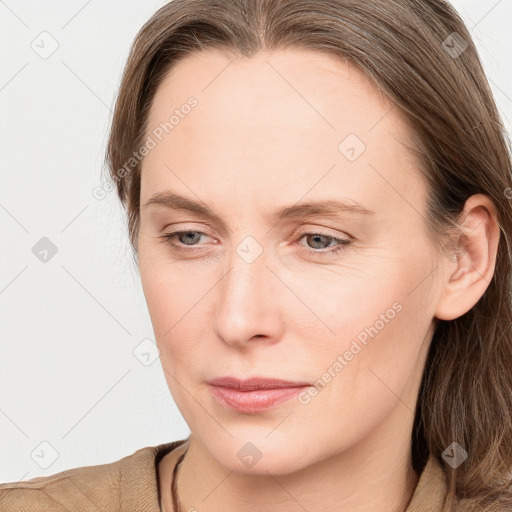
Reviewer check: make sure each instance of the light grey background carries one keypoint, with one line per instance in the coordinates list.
(76, 386)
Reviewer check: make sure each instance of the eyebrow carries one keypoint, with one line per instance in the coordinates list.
(326, 208)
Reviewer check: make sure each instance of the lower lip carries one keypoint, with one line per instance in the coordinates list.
(256, 400)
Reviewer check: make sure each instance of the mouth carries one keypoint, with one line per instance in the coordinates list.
(255, 394)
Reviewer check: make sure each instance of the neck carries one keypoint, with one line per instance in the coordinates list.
(375, 475)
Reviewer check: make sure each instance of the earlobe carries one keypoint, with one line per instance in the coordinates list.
(469, 269)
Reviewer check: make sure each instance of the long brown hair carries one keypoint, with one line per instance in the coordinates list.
(421, 55)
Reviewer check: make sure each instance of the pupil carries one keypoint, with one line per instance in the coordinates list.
(189, 235)
(315, 238)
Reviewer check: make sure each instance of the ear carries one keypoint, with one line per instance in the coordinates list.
(470, 268)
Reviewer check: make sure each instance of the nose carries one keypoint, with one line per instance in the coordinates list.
(249, 304)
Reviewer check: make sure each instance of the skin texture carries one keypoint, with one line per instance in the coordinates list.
(265, 134)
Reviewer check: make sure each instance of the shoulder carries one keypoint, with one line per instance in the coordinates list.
(131, 480)
(431, 493)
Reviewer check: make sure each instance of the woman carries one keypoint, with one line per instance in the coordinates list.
(318, 199)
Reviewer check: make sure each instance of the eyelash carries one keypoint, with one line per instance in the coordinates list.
(342, 243)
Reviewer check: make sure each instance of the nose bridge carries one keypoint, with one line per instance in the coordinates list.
(247, 275)
(246, 302)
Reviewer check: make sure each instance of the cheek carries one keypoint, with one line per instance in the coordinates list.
(180, 312)
(342, 304)
(380, 328)
(169, 291)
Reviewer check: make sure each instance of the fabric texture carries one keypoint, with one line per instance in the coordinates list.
(131, 485)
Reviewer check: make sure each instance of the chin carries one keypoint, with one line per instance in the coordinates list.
(259, 454)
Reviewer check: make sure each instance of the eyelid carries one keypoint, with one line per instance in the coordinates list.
(321, 231)
(341, 239)
(300, 231)
(185, 227)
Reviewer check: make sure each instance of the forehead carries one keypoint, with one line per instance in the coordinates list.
(284, 118)
(286, 85)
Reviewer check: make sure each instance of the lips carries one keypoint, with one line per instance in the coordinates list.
(254, 395)
(254, 383)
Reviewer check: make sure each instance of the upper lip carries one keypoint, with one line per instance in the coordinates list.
(254, 383)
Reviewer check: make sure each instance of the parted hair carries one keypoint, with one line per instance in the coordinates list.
(420, 54)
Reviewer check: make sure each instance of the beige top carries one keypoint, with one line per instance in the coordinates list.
(131, 484)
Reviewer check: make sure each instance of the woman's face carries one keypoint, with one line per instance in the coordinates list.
(247, 292)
